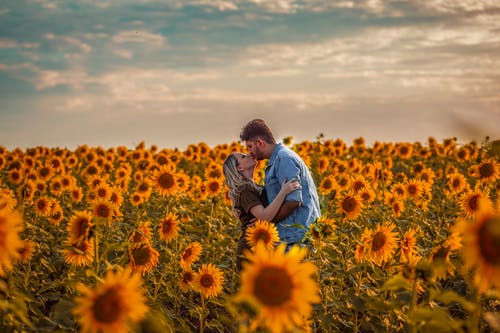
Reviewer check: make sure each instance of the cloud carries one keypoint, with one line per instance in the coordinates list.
(140, 36)
(6, 43)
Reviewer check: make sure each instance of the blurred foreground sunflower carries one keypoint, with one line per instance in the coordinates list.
(280, 287)
(115, 305)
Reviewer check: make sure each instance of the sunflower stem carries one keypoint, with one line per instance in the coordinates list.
(202, 314)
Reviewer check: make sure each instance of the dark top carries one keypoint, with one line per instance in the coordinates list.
(249, 198)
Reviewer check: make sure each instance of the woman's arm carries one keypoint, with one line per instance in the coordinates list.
(268, 213)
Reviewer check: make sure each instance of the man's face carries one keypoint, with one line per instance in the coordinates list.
(254, 148)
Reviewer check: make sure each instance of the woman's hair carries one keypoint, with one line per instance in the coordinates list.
(235, 181)
(257, 128)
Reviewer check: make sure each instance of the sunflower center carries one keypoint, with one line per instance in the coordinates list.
(378, 241)
(207, 280)
(187, 253)
(348, 204)
(412, 189)
(489, 240)
(474, 202)
(108, 307)
(187, 277)
(141, 255)
(103, 211)
(273, 286)
(358, 186)
(486, 170)
(262, 235)
(327, 184)
(166, 180)
(456, 183)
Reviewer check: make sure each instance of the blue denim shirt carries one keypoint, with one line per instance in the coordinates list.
(286, 164)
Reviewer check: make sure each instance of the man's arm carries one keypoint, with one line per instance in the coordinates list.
(286, 209)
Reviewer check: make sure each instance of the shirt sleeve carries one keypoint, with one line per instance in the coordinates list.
(249, 199)
(288, 168)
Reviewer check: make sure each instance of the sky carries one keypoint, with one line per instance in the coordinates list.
(173, 73)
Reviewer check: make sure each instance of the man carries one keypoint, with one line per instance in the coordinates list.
(301, 207)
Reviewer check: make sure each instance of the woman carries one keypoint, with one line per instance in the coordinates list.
(249, 201)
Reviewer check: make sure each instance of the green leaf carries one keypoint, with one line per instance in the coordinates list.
(397, 282)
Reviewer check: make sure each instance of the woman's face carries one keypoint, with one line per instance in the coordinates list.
(245, 161)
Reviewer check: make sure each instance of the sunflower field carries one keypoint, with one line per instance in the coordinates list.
(143, 240)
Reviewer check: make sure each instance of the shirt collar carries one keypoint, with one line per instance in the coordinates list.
(278, 147)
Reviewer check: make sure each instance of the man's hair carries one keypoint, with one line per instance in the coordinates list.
(257, 129)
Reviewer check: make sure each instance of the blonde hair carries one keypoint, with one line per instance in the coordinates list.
(235, 181)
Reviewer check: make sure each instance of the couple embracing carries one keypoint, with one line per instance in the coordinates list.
(289, 197)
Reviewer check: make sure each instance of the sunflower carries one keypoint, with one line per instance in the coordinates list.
(457, 183)
(187, 279)
(168, 227)
(323, 163)
(404, 150)
(208, 280)
(382, 243)
(15, 176)
(322, 228)
(79, 253)
(408, 250)
(142, 234)
(165, 181)
(79, 226)
(358, 183)
(343, 181)
(440, 255)
(136, 199)
(43, 205)
(116, 196)
(76, 194)
(10, 242)
(190, 255)
(488, 171)
(262, 231)
(213, 171)
(26, 251)
(280, 287)
(115, 305)
(143, 257)
(367, 196)
(57, 214)
(213, 186)
(349, 206)
(360, 254)
(397, 207)
(473, 201)
(44, 173)
(415, 188)
(102, 209)
(7, 202)
(102, 191)
(327, 185)
(481, 248)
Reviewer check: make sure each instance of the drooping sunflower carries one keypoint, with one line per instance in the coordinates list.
(397, 207)
(142, 234)
(187, 279)
(79, 226)
(26, 251)
(168, 227)
(79, 253)
(408, 251)
(164, 180)
(350, 206)
(209, 280)
(10, 241)
(76, 194)
(382, 243)
(143, 257)
(481, 248)
(190, 255)
(115, 305)
(262, 231)
(280, 287)
(440, 256)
